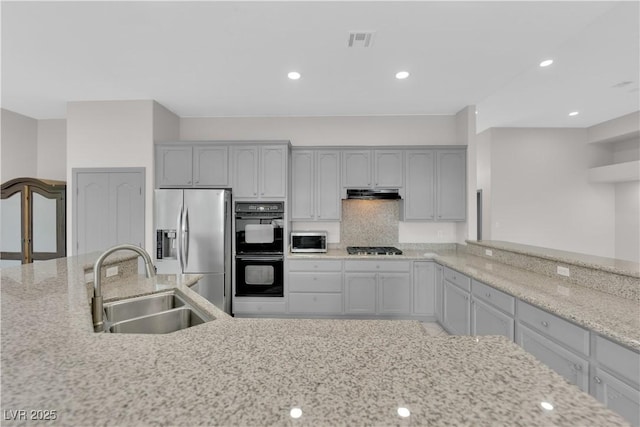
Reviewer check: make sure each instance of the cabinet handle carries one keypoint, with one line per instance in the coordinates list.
(466, 298)
(545, 324)
(315, 278)
(188, 182)
(597, 379)
(378, 266)
(488, 295)
(578, 367)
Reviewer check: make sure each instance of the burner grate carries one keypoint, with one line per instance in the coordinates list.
(373, 250)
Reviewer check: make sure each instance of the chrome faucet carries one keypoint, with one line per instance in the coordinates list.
(97, 307)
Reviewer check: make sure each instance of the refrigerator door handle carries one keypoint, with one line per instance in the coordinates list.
(180, 238)
(185, 234)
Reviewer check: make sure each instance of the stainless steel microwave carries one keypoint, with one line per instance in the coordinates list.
(308, 241)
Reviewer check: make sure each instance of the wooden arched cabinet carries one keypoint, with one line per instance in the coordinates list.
(33, 220)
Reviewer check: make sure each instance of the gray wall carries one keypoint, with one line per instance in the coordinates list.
(19, 146)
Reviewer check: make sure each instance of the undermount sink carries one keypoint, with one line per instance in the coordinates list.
(152, 314)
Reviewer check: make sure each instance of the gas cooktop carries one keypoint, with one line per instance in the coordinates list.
(373, 250)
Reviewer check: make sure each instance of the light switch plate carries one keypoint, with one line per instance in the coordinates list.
(112, 271)
(488, 252)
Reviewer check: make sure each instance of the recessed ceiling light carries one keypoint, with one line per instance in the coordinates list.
(294, 75)
(574, 113)
(546, 62)
(401, 75)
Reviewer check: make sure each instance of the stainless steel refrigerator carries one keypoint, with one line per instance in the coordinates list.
(193, 236)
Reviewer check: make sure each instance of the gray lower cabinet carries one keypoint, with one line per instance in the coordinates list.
(315, 287)
(492, 311)
(615, 378)
(424, 288)
(378, 287)
(572, 367)
(617, 395)
(439, 291)
(456, 302)
(259, 172)
(456, 309)
(486, 320)
(315, 185)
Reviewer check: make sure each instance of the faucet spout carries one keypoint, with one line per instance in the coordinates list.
(97, 307)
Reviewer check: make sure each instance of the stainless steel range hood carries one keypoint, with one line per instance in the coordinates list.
(369, 194)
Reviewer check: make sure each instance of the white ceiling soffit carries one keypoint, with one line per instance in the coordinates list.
(206, 59)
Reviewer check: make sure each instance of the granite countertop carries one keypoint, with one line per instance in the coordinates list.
(252, 372)
(609, 315)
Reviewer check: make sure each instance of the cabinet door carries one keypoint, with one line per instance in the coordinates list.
(395, 293)
(424, 288)
(439, 294)
(360, 293)
(273, 172)
(451, 190)
(617, 396)
(328, 205)
(174, 166)
(456, 310)
(573, 368)
(245, 172)
(210, 166)
(388, 168)
(302, 194)
(126, 208)
(419, 185)
(91, 221)
(486, 320)
(356, 169)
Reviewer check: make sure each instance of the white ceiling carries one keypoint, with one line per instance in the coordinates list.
(205, 59)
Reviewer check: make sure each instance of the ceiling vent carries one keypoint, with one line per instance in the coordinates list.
(360, 39)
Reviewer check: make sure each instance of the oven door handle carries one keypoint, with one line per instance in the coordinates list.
(260, 258)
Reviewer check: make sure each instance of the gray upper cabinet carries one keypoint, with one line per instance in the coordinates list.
(315, 185)
(211, 166)
(419, 198)
(451, 185)
(435, 185)
(174, 166)
(372, 168)
(388, 168)
(260, 172)
(188, 165)
(356, 168)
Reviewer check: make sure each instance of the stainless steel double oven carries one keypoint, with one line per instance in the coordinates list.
(259, 249)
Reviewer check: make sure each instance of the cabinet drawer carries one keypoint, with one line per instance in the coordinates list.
(315, 282)
(314, 265)
(494, 297)
(618, 359)
(258, 307)
(458, 279)
(313, 303)
(375, 266)
(567, 333)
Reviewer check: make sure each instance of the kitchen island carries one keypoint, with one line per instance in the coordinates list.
(255, 371)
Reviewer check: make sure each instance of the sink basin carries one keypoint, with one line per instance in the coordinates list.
(160, 313)
(160, 323)
(118, 311)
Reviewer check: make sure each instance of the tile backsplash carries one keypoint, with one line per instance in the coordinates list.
(369, 222)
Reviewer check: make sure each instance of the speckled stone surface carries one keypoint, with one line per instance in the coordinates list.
(612, 316)
(616, 277)
(369, 222)
(251, 372)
